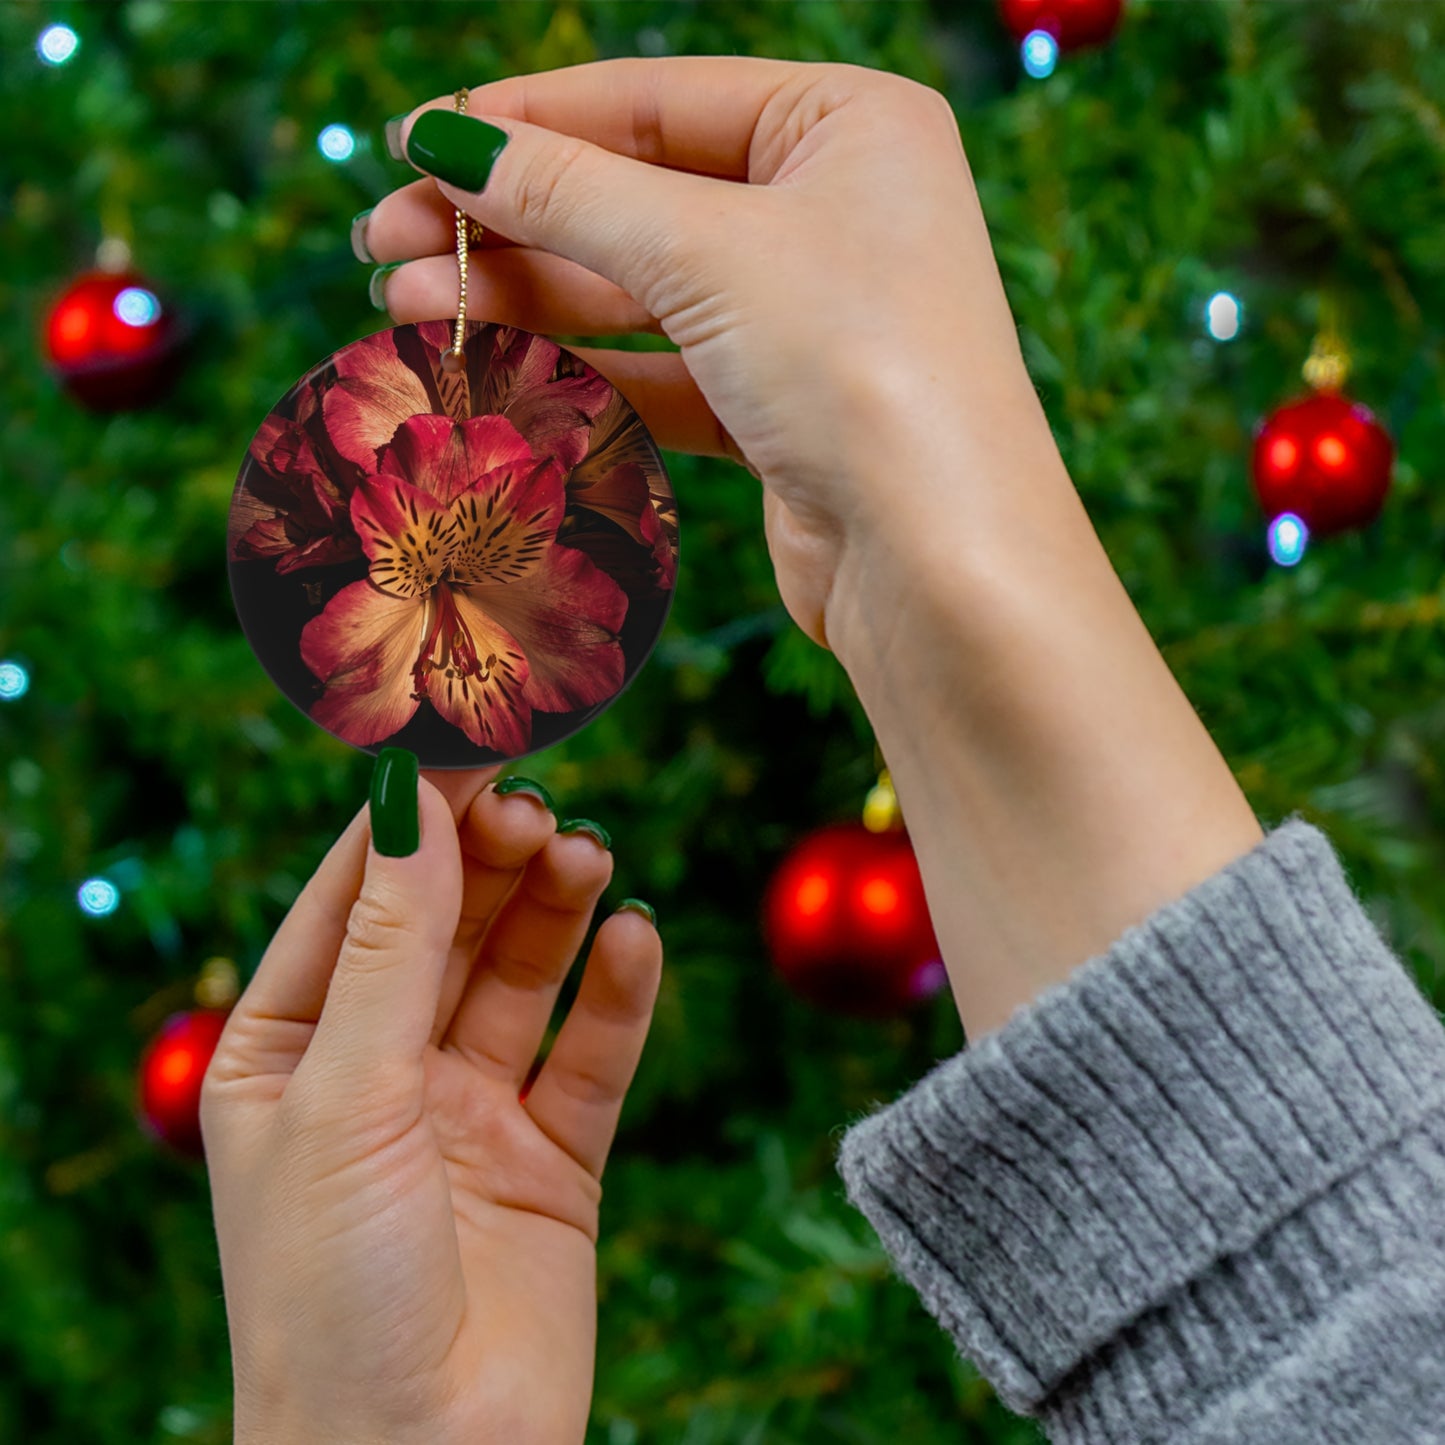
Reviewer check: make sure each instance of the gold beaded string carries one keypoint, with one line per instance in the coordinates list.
(469, 233)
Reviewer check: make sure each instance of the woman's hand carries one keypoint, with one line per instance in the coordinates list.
(810, 237)
(408, 1247)
(840, 317)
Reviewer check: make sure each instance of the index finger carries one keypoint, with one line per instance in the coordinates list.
(695, 113)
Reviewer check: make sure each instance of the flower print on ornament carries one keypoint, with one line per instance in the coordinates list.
(471, 564)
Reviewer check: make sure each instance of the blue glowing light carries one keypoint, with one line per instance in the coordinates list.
(57, 44)
(1288, 537)
(1040, 53)
(336, 143)
(14, 681)
(137, 307)
(98, 897)
(1223, 316)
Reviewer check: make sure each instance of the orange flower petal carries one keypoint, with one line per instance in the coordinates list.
(363, 646)
(404, 532)
(505, 523)
(445, 457)
(375, 392)
(490, 706)
(566, 615)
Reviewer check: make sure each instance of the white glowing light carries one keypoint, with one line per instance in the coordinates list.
(136, 306)
(1040, 53)
(336, 143)
(98, 897)
(14, 681)
(1288, 537)
(57, 44)
(1223, 316)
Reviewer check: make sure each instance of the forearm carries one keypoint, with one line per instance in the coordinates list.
(1056, 782)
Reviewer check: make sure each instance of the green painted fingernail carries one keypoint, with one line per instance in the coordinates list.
(455, 148)
(586, 825)
(393, 136)
(636, 905)
(359, 248)
(533, 789)
(377, 288)
(395, 813)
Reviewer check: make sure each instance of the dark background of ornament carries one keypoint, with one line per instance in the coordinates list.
(1264, 149)
(273, 608)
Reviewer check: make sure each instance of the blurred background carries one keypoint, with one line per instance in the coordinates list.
(1189, 204)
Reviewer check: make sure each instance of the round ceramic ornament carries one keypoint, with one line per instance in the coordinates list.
(457, 538)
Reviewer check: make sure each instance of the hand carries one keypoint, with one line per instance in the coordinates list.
(408, 1247)
(831, 311)
(843, 329)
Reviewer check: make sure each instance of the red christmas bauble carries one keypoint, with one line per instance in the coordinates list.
(1324, 458)
(847, 924)
(112, 341)
(171, 1072)
(1073, 23)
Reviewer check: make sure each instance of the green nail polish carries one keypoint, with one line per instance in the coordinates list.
(515, 784)
(392, 132)
(395, 820)
(455, 148)
(586, 825)
(359, 248)
(376, 289)
(636, 905)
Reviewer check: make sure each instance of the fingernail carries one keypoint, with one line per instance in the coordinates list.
(515, 784)
(395, 820)
(636, 905)
(586, 825)
(359, 247)
(376, 289)
(393, 136)
(455, 148)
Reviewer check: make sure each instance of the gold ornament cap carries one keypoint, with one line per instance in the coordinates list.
(881, 812)
(1328, 365)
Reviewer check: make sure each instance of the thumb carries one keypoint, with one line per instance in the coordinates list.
(382, 999)
(633, 223)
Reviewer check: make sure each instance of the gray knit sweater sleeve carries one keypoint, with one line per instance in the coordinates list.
(1196, 1192)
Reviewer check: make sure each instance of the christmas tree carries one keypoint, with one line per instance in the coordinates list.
(1179, 214)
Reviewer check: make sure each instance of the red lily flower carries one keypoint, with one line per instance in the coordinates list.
(470, 602)
(613, 481)
(382, 380)
(289, 505)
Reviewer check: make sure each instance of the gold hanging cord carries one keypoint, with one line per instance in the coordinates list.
(469, 233)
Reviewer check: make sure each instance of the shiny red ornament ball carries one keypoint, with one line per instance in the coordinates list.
(1324, 458)
(171, 1072)
(1073, 23)
(847, 924)
(112, 340)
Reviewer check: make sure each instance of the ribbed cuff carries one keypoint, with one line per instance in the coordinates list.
(1145, 1179)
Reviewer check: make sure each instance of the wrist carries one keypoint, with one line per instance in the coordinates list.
(942, 471)
(1056, 783)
